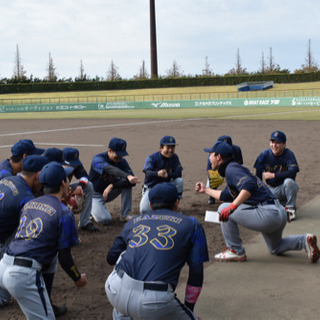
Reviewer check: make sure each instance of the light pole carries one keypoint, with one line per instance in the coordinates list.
(153, 41)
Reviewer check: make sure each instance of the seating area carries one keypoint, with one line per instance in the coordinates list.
(255, 86)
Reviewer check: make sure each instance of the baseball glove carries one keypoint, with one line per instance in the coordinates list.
(77, 201)
(215, 179)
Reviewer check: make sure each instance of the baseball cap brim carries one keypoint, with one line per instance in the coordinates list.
(210, 150)
(122, 153)
(74, 163)
(38, 151)
(68, 170)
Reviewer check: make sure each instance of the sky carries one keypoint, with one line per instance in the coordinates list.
(97, 32)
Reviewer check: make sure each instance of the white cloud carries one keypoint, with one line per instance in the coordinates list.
(97, 32)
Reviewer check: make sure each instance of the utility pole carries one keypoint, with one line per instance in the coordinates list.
(153, 41)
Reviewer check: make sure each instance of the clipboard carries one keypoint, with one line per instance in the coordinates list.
(212, 216)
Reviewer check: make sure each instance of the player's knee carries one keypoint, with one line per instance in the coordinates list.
(178, 182)
(291, 184)
(89, 189)
(223, 206)
(104, 219)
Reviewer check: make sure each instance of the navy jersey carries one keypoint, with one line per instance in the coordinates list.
(46, 226)
(284, 166)
(100, 178)
(237, 153)
(157, 245)
(5, 169)
(156, 162)
(14, 194)
(79, 172)
(240, 178)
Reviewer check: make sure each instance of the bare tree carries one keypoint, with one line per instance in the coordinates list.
(19, 74)
(263, 64)
(272, 66)
(238, 70)
(310, 65)
(207, 71)
(112, 73)
(52, 76)
(175, 71)
(143, 72)
(82, 74)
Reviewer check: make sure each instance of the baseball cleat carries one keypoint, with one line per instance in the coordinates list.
(211, 200)
(312, 248)
(291, 212)
(127, 218)
(229, 255)
(59, 311)
(89, 227)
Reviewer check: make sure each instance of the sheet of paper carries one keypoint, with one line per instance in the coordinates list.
(212, 216)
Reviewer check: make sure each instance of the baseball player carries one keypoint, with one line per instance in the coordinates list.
(214, 179)
(71, 158)
(22, 148)
(15, 191)
(161, 166)
(279, 167)
(111, 176)
(249, 202)
(47, 227)
(149, 255)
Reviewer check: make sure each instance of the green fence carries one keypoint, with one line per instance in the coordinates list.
(162, 104)
(163, 97)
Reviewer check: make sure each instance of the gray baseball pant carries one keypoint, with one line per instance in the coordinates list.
(27, 286)
(131, 300)
(286, 193)
(269, 219)
(144, 203)
(99, 211)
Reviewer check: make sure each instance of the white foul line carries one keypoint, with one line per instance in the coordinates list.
(97, 127)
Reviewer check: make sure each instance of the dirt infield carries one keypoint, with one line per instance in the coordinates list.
(92, 136)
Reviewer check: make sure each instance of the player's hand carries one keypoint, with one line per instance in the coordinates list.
(78, 190)
(133, 179)
(106, 192)
(66, 196)
(200, 187)
(82, 281)
(163, 173)
(268, 175)
(225, 213)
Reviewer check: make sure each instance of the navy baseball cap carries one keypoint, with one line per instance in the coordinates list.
(71, 157)
(164, 192)
(53, 173)
(278, 136)
(34, 163)
(222, 148)
(119, 146)
(168, 141)
(226, 139)
(54, 154)
(25, 146)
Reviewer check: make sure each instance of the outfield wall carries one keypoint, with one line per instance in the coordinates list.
(259, 102)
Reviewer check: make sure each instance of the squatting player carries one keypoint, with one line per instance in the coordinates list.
(279, 167)
(47, 227)
(153, 248)
(161, 166)
(249, 202)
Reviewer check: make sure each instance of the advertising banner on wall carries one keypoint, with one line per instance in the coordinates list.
(221, 103)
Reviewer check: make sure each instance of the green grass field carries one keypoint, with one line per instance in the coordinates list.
(284, 113)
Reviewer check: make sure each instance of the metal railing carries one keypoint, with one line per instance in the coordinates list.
(164, 97)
